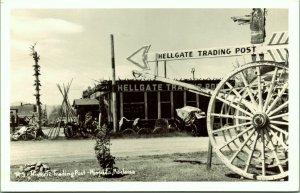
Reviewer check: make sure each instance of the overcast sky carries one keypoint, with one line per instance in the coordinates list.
(75, 43)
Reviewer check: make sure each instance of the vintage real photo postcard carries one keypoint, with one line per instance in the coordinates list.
(157, 96)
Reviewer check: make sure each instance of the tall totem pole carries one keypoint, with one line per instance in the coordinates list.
(37, 85)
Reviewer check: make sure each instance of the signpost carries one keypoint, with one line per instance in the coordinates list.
(114, 96)
(141, 57)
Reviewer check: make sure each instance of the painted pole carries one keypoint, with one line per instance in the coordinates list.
(114, 97)
(165, 65)
(156, 68)
(37, 85)
(209, 156)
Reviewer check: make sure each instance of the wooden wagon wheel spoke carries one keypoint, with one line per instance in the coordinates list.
(263, 152)
(251, 153)
(279, 116)
(234, 106)
(275, 153)
(231, 116)
(236, 137)
(227, 133)
(277, 98)
(279, 108)
(278, 129)
(242, 146)
(279, 122)
(231, 127)
(280, 140)
(283, 71)
(233, 90)
(252, 85)
(270, 91)
(248, 89)
(253, 137)
(239, 97)
(260, 100)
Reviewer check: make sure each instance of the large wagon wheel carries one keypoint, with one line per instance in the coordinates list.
(252, 139)
(228, 111)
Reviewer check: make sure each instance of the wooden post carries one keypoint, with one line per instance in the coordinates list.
(99, 118)
(209, 156)
(172, 104)
(114, 97)
(184, 98)
(158, 105)
(156, 68)
(197, 101)
(146, 105)
(121, 105)
(109, 118)
(165, 66)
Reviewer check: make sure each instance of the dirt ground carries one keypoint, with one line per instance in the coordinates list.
(58, 151)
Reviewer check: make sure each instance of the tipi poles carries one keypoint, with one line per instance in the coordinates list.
(65, 110)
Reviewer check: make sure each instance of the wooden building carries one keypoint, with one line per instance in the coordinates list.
(149, 99)
(27, 113)
(23, 113)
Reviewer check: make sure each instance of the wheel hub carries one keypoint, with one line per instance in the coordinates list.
(260, 120)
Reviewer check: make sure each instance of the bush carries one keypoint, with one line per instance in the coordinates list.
(102, 150)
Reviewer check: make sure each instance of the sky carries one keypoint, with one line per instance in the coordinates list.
(75, 44)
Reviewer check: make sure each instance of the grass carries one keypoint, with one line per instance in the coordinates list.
(174, 167)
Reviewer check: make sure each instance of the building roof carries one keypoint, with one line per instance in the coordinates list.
(106, 85)
(23, 115)
(85, 102)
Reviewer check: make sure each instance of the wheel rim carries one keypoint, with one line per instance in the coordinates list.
(68, 130)
(129, 131)
(25, 137)
(252, 137)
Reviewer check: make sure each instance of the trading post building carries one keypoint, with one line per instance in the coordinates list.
(150, 100)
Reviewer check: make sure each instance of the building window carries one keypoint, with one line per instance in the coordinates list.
(178, 100)
(133, 105)
(165, 104)
(165, 96)
(165, 110)
(191, 99)
(133, 97)
(152, 105)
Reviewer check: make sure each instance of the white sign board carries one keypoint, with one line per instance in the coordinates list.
(202, 53)
(141, 57)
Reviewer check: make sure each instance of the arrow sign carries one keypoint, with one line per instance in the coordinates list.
(206, 53)
(141, 57)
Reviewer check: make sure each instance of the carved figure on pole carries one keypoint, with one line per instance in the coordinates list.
(37, 85)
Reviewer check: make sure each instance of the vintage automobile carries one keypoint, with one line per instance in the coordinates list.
(189, 118)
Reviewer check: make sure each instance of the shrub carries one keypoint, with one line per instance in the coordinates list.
(102, 150)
